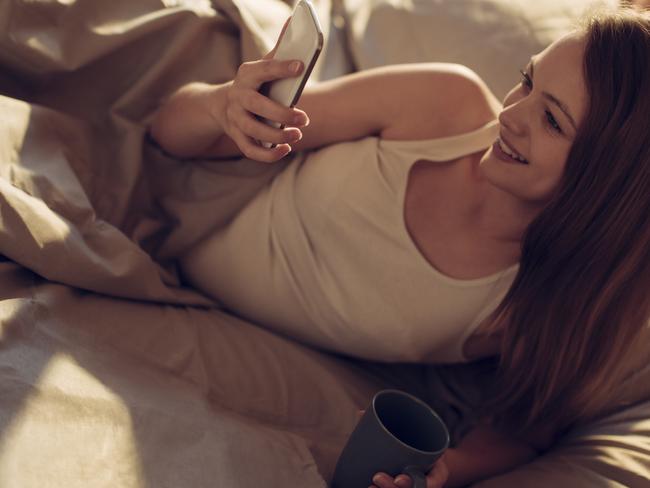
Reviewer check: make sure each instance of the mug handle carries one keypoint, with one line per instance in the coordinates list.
(418, 477)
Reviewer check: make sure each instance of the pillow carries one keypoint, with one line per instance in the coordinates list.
(495, 38)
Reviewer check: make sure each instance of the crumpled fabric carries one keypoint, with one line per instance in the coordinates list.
(112, 373)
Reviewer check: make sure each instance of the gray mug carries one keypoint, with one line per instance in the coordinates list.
(397, 434)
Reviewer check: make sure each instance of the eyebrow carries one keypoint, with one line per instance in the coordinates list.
(553, 99)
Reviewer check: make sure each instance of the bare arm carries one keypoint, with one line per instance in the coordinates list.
(408, 101)
(395, 102)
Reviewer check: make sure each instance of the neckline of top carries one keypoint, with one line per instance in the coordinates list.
(491, 278)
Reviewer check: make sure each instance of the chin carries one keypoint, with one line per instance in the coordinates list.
(491, 170)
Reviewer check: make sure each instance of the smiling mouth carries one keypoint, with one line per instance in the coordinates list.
(507, 153)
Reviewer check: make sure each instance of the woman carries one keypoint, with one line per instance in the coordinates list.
(549, 207)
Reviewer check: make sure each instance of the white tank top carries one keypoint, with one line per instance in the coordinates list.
(323, 255)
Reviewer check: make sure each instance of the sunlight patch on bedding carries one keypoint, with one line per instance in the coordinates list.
(201, 5)
(76, 424)
(13, 127)
(45, 225)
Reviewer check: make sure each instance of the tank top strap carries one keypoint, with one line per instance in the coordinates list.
(443, 148)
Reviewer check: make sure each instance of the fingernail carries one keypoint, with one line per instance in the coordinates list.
(378, 478)
(301, 119)
(294, 67)
(401, 481)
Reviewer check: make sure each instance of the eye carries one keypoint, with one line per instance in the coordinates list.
(552, 122)
(526, 82)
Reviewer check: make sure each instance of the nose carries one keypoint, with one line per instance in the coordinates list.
(514, 116)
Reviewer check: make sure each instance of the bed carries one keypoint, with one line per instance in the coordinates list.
(115, 374)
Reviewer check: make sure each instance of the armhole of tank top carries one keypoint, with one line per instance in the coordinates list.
(441, 149)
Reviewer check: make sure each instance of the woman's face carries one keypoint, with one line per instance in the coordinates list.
(539, 123)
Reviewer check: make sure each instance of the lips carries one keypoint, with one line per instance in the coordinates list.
(505, 152)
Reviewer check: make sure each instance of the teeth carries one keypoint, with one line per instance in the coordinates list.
(509, 151)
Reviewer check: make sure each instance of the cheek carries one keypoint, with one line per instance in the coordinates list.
(534, 183)
(547, 171)
(550, 153)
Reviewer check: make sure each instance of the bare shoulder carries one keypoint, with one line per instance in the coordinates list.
(440, 100)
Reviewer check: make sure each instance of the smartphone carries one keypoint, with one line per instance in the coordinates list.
(302, 40)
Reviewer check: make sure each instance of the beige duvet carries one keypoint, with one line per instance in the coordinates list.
(114, 375)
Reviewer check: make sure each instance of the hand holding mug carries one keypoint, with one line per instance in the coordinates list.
(436, 478)
(398, 434)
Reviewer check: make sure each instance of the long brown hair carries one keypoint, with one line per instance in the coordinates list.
(582, 293)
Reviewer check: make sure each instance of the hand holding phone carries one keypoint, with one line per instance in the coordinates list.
(301, 39)
(260, 102)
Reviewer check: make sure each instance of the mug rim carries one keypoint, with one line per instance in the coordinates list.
(417, 400)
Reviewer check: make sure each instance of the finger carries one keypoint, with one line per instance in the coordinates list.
(258, 104)
(261, 131)
(254, 73)
(252, 150)
(383, 480)
(438, 475)
(404, 481)
(271, 53)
